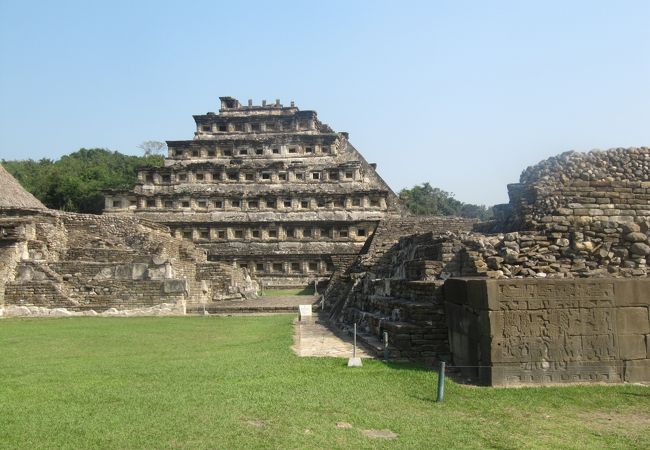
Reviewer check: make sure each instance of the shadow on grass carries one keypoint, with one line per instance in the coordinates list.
(635, 394)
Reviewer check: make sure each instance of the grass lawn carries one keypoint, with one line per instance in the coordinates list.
(233, 382)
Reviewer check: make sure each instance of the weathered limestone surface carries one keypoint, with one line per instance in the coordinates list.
(164, 309)
(550, 331)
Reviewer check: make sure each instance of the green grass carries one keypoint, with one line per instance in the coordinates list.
(233, 382)
(286, 292)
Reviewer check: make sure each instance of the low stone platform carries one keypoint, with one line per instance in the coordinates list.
(260, 305)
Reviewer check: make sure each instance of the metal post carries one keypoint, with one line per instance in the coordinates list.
(354, 349)
(385, 345)
(441, 381)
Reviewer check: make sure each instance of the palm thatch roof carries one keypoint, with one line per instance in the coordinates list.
(13, 195)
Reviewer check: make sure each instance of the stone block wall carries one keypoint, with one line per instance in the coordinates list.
(98, 296)
(222, 281)
(379, 254)
(524, 331)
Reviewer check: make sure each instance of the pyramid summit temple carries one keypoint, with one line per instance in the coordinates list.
(269, 188)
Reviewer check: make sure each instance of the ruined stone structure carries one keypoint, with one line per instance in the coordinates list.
(576, 217)
(268, 188)
(593, 208)
(51, 260)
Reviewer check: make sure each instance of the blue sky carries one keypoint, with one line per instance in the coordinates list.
(464, 95)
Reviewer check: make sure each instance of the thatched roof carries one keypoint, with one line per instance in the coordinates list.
(13, 195)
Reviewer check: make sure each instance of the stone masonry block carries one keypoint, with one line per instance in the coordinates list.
(632, 292)
(156, 273)
(123, 272)
(632, 346)
(633, 320)
(637, 371)
(139, 271)
(175, 286)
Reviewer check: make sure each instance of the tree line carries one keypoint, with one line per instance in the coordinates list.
(426, 200)
(76, 181)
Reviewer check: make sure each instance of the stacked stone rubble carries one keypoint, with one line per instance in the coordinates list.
(592, 207)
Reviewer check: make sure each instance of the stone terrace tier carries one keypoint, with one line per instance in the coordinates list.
(233, 118)
(268, 187)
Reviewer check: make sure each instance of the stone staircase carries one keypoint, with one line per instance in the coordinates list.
(412, 312)
(397, 288)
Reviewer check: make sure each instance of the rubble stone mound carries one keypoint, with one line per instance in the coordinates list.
(616, 164)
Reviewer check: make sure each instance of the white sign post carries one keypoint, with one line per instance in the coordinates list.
(304, 311)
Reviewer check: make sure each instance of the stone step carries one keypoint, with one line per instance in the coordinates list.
(286, 304)
(230, 309)
(404, 311)
(401, 301)
(367, 340)
(398, 327)
(102, 254)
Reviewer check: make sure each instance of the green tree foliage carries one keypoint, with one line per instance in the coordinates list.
(425, 200)
(75, 182)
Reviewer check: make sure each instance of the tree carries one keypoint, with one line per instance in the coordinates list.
(76, 181)
(153, 148)
(425, 200)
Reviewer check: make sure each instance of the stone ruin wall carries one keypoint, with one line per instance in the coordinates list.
(526, 331)
(592, 208)
(79, 262)
(575, 216)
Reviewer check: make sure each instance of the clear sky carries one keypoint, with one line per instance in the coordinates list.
(464, 95)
